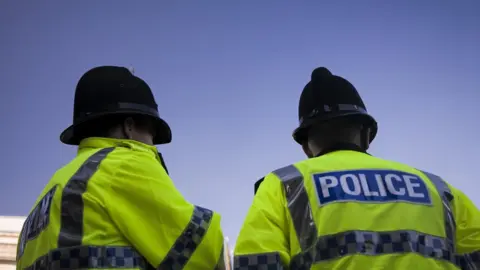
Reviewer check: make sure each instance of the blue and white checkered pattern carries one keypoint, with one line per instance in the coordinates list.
(85, 257)
(469, 261)
(374, 243)
(267, 261)
(355, 242)
(186, 244)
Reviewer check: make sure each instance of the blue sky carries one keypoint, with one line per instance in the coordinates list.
(227, 76)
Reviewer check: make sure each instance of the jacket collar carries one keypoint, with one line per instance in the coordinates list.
(340, 147)
(97, 142)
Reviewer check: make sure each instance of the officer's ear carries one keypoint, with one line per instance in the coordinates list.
(365, 133)
(307, 150)
(128, 127)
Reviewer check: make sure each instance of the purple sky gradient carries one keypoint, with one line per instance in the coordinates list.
(227, 76)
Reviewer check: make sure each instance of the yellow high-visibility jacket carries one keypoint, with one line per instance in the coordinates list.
(114, 206)
(349, 210)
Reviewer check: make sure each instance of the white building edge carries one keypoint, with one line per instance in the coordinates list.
(227, 254)
(10, 228)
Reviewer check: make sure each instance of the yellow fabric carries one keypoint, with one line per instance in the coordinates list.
(467, 218)
(268, 226)
(130, 201)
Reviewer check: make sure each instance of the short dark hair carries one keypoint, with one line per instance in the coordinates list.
(103, 126)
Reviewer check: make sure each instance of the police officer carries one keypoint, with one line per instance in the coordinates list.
(114, 205)
(345, 209)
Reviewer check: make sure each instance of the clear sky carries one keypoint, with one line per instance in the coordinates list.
(227, 76)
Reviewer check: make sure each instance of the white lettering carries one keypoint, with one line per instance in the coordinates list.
(410, 186)
(36, 221)
(370, 186)
(381, 186)
(389, 180)
(332, 182)
(366, 188)
(357, 190)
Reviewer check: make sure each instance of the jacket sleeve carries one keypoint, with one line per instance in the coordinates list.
(161, 225)
(467, 218)
(263, 239)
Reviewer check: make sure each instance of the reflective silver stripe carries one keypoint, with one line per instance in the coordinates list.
(71, 231)
(85, 257)
(470, 261)
(187, 243)
(270, 261)
(335, 246)
(299, 205)
(447, 196)
(362, 242)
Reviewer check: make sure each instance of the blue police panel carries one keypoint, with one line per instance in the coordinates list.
(371, 186)
(37, 220)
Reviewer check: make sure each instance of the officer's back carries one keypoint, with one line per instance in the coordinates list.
(367, 205)
(345, 209)
(114, 205)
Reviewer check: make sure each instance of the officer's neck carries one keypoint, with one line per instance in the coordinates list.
(339, 147)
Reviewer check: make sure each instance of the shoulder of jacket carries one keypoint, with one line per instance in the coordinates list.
(410, 169)
(284, 174)
(442, 186)
(125, 158)
(126, 154)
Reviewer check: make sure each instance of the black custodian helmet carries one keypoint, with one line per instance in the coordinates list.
(327, 97)
(110, 90)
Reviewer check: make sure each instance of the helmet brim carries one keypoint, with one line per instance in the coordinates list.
(300, 134)
(163, 133)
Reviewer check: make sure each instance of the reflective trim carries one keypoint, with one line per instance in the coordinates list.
(359, 242)
(85, 257)
(71, 231)
(267, 261)
(447, 196)
(299, 205)
(186, 244)
(469, 261)
(374, 243)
